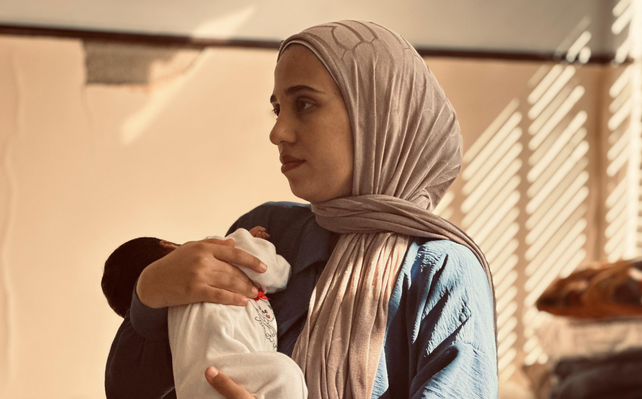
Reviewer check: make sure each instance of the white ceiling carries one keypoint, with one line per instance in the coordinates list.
(497, 25)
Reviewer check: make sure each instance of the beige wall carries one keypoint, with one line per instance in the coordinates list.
(516, 25)
(77, 180)
(87, 167)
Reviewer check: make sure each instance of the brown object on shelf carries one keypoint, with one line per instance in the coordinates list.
(612, 289)
(541, 379)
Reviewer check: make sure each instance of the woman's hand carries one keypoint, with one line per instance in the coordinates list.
(199, 271)
(225, 386)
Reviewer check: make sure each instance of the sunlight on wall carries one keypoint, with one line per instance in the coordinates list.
(223, 27)
(531, 193)
(226, 26)
(622, 170)
(623, 236)
(490, 202)
(160, 97)
(557, 191)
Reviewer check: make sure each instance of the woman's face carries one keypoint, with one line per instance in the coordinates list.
(312, 128)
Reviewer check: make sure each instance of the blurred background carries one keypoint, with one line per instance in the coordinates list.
(121, 119)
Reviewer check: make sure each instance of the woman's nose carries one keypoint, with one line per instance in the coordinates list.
(282, 131)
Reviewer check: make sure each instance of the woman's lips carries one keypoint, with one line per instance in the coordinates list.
(290, 165)
(289, 162)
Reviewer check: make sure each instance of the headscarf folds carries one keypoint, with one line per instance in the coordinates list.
(407, 152)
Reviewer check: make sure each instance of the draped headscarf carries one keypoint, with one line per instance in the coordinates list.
(407, 152)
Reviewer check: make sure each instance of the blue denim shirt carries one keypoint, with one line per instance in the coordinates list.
(439, 342)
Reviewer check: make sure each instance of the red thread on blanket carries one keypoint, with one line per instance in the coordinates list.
(260, 296)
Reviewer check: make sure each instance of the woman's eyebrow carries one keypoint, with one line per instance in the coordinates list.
(295, 89)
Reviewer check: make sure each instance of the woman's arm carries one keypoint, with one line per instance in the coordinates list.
(139, 363)
(457, 369)
(452, 344)
(199, 271)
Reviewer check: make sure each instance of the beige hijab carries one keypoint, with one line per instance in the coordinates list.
(407, 147)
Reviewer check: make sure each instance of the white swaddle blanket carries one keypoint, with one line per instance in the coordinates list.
(240, 341)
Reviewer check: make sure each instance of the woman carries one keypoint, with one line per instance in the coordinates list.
(386, 300)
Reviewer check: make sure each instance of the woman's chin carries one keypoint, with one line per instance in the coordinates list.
(305, 193)
(316, 193)
(301, 193)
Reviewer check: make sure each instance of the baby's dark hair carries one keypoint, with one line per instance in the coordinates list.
(124, 266)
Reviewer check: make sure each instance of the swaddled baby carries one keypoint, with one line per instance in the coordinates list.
(240, 341)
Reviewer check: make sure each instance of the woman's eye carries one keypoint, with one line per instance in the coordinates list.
(275, 110)
(303, 105)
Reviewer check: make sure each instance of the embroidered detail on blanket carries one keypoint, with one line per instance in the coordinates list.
(265, 317)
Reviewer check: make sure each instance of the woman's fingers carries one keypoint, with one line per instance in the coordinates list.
(222, 296)
(190, 272)
(238, 257)
(228, 242)
(233, 280)
(225, 386)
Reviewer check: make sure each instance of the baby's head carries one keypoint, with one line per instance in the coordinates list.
(125, 264)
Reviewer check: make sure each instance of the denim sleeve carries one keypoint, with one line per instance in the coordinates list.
(139, 365)
(451, 335)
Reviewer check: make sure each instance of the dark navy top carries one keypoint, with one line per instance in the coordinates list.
(439, 342)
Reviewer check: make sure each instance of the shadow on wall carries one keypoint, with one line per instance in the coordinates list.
(553, 181)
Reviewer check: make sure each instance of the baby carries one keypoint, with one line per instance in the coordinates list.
(241, 341)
